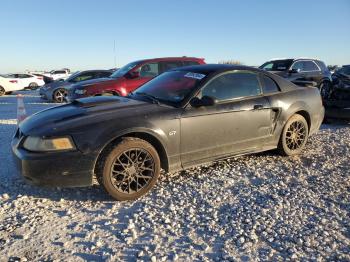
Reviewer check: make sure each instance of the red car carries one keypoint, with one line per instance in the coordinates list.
(129, 77)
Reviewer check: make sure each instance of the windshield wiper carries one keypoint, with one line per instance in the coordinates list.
(151, 97)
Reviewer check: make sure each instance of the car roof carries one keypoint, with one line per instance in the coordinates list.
(215, 68)
(181, 58)
(95, 70)
(294, 59)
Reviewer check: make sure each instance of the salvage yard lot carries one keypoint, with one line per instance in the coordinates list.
(259, 206)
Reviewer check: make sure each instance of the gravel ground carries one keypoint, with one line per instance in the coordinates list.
(251, 208)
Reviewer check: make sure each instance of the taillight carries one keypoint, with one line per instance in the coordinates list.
(40, 78)
(14, 81)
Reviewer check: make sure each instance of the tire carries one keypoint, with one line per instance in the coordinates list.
(33, 86)
(107, 94)
(130, 169)
(59, 95)
(294, 136)
(2, 91)
(326, 90)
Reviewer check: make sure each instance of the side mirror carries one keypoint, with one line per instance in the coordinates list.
(134, 74)
(204, 101)
(294, 71)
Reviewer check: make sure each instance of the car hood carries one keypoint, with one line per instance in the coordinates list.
(342, 76)
(86, 112)
(56, 84)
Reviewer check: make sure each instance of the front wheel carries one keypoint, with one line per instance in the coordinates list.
(59, 96)
(294, 136)
(130, 170)
(325, 90)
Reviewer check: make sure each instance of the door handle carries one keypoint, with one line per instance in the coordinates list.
(257, 107)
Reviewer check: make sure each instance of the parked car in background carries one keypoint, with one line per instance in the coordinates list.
(130, 77)
(301, 71)
(58, 74)
(338, 95)
(44, 77)
(182, 118)
(57, 90)
(27, 80)
(8, 85)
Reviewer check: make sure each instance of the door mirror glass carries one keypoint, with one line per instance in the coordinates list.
(204, 101)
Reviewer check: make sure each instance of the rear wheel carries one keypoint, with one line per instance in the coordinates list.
(33, 86)
(59, 96)
(294, 136)
(130, 170)
(2, 91)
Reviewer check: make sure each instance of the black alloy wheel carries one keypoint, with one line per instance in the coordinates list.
(131, 169)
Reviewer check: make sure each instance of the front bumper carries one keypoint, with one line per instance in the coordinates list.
(63, 169)
(317, 121)
(43, 94)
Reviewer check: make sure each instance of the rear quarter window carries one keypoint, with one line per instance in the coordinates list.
(310, 66)
(322, 65)
(189, 63)
(166, 66)
(268, 85)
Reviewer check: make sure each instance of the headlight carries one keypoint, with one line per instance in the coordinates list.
(48, 144)
(80, 91)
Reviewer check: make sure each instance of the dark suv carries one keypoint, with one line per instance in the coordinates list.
(301, 71)
(130, 77)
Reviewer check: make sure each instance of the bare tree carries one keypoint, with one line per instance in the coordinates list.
(231, 62)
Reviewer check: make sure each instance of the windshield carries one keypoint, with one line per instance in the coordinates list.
(122, 71)
(7, 76)
(170, 87)
(277, 65)
(73, 76)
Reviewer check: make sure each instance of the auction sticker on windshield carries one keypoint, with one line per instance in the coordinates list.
(195, 75)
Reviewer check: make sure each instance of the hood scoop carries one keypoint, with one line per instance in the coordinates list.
(97, 101)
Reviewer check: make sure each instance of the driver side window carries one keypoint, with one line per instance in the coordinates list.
(83, 77)
(233, 85)
(149, 70)
(298, 66)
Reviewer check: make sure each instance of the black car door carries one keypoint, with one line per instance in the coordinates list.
(312, 71)
(240, 121)
(296, 73)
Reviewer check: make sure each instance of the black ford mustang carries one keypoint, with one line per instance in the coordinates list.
(182, 118)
